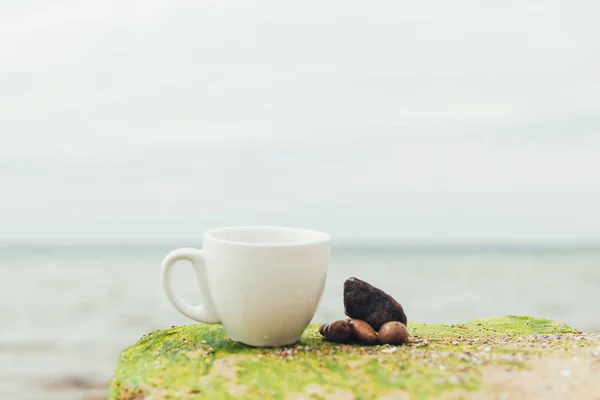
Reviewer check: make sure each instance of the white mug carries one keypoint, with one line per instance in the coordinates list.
(262, 283)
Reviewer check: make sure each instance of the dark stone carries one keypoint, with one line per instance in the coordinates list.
(366, 302)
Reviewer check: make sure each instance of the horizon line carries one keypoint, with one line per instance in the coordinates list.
(343, 244)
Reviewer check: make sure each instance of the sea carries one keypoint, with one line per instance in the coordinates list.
(67, 312)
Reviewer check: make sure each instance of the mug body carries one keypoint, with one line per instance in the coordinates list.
(266, 282)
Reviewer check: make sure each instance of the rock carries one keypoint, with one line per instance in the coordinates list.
(363, 332)
(200, 361)
(365, 302)
(393, 332)
(75, 382)
(337, 331)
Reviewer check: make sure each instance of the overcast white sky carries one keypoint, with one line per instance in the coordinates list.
(430, 121)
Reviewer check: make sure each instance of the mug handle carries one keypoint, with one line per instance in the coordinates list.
(205, 311)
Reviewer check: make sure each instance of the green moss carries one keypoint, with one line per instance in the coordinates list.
(496, 326)
(199, 361)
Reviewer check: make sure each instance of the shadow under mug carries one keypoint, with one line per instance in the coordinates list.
(263, 283)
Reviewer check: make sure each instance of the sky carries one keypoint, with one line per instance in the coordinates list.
(386, 121)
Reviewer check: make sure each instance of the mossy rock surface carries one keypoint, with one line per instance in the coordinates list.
(200, 361)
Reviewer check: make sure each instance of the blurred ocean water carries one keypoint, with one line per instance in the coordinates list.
(66, 313)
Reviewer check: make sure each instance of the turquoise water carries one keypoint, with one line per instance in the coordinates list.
(68, 312)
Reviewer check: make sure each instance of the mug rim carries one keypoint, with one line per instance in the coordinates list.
(319, 236)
